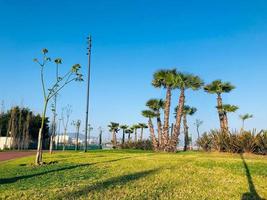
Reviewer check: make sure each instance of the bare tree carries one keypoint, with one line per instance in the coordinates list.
(66, 112)
(77, 124)
(72, 75)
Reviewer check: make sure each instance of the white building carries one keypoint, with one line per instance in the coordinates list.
(5, 142)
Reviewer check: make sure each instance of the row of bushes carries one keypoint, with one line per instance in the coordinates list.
(237, 142)
(143, 145)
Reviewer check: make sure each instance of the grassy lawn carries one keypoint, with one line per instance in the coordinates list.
(135, 175)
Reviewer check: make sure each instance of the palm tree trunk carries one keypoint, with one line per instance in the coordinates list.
(165, 134)
(129, 137)
(225, 121)
(243, 125)
(123, 136)
(77, 139)
(220, 112)
(141, 134)
(135, 135)
(186, 137)
(176, 132)
(113, 139)
(160, 135)
(152, 134)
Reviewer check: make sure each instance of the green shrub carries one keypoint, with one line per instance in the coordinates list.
(143, 145)
(205, 142)
(237, 142)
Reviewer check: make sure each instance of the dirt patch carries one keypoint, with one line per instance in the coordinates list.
(8, 155)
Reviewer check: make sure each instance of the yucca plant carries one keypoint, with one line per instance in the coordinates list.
(243, 142)
(205, 142)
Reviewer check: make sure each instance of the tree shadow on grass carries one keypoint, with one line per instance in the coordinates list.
(17, 178)
(252, 194)
(115, 181)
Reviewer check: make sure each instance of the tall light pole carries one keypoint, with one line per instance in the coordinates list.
(89, 41)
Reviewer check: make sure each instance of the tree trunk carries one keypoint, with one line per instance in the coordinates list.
(243, 125)
(135, 135)
(123, 136)
(39, 153)
(165, 134)
(114, 140)
(64, 139)
(52, 138)
(152, 134)
(186, 137)
(176, 132)
(198, 137)
(129, 137)
(161, 138)
(77, 139)
(220, 112)
(225, 122)
(141, 135)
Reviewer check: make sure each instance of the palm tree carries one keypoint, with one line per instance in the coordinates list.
(227, 108)
(198, 123)
(142, 127)
(123, 127)
(218, 87)
(165, 79)
(244, 118)
(114, 128)
(156, 105)
(150, 114)
(135, 127)
(129, 131)
(183, 82)
(186, 111)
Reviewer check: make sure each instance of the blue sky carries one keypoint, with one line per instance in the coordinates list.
(131, 40)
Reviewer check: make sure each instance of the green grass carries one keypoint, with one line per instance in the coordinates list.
(135, 175)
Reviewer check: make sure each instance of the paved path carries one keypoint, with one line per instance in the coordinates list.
(8, 155)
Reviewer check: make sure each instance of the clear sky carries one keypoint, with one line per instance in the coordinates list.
(224, 39)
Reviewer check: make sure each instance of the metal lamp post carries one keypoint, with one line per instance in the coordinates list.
(89, 41)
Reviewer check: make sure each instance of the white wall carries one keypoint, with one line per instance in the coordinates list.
(5, 142)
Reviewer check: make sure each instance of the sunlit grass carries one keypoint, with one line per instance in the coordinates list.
(134, 175)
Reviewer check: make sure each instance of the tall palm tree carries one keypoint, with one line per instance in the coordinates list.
(227, 108)
(114, 128)
(186, 111)
(123, 127)
(218, 87)
(157, 105)
(150, 114)
(183, 83)
(244, 118)
(165, 79)
(142, 127)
